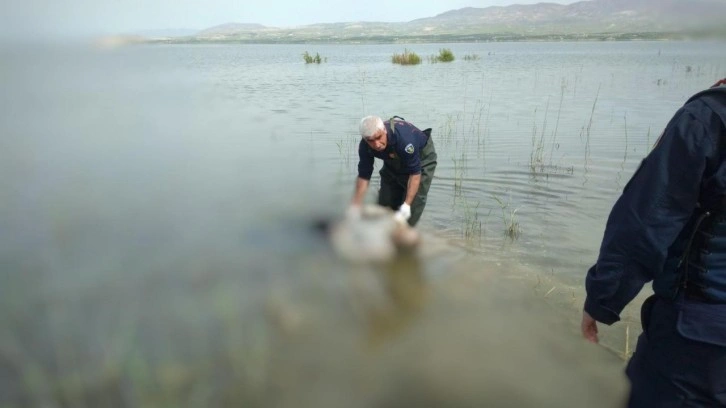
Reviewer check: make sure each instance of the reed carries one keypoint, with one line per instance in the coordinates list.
(447, 130)
(471, 57)
(563, 86)
(407, 58)
(309, 59)
(509, 216)
(586, 131)
(345, 149)
(445, 55)
(472, 223)
(459, 171)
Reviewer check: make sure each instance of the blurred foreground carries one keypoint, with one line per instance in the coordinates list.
(397, 334)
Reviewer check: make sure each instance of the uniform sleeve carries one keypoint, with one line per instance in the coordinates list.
(365, 161)
(647, 218)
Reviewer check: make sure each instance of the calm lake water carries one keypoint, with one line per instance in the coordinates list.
(156, 246)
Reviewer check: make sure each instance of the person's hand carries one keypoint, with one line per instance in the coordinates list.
(589, 327)
(353, 212)
(403, 213)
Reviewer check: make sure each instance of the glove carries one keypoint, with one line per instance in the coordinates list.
(403, 213)
(353, 212)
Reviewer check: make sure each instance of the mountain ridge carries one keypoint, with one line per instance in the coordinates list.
(589, 19)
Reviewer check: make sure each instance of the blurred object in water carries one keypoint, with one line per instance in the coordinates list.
(374, 237)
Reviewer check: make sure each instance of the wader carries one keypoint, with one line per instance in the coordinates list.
(394, 184)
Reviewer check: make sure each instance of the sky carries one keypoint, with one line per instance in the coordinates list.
(107, 17)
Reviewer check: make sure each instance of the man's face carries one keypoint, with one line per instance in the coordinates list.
(378, 141)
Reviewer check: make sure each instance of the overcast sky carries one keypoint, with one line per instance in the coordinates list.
(94, 17)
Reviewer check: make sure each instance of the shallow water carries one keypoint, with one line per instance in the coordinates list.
(155, 228)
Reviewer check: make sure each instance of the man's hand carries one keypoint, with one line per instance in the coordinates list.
(403, 213)
(589, 327)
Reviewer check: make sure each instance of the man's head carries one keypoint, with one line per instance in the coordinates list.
(373, 132)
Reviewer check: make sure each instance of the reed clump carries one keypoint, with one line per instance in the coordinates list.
(407, 58)
(310, 59)
(445, 55)
(471, 57)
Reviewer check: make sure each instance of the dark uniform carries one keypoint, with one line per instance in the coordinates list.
(409, 151)
(669, 226)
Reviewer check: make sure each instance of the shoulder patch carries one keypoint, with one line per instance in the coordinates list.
(409, 148)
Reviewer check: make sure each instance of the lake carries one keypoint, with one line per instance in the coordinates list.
(156, 235)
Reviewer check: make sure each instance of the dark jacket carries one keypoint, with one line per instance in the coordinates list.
(651, 225)
(402, 155)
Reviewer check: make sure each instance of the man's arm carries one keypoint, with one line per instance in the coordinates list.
(414, 180)
(365, 170)
(361, 186)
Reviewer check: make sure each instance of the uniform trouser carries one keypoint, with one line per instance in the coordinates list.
(669, 370)
(393, 185)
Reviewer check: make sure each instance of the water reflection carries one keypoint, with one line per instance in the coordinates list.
(406, 294)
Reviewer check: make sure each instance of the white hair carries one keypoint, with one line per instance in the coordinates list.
(370, 125)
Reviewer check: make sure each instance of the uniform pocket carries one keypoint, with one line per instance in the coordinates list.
(704, 322)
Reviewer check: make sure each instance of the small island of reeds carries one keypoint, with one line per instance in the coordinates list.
(407, 58)
(445, 55)
(309, 59)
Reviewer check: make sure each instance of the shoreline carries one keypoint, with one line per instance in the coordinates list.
(433, 39)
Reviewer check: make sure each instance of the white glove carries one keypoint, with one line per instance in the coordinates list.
(403, 213)
(353, 212)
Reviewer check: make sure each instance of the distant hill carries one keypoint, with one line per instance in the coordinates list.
(166, 33)
(594, 19)
(230, 29)
(597, 16)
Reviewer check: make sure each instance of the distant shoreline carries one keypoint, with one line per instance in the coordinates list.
(469, 38)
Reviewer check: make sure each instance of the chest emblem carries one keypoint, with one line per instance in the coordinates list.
(409, 148)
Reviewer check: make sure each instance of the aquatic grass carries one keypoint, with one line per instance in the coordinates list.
(309, 59)
(471, 57)
(536, 155)
(459, 171)
(407, 58)
(511, 224)
(445, 55)
(446, 131)
(346, 146)
(589, 127)
(563, 86)
(472, 223)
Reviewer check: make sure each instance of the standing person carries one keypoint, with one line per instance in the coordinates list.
(669, 226)
(409, 161)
